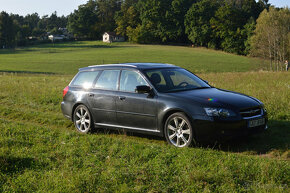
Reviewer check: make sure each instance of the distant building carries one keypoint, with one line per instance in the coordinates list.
(65, 35)
(110, 37)
(32, 38)
(65, 32)
(56, 37)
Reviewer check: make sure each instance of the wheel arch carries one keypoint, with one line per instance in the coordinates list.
(75, 106)
(170, 112)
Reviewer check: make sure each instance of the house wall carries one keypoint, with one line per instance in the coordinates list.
(52, 37)
(106, 38)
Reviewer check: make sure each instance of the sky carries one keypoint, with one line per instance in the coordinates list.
(65, 7)
(42, 7)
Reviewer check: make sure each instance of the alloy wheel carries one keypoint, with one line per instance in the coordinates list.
(179, 132)
(82, 119)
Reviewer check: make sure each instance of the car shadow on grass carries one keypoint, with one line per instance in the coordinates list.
(273, 142)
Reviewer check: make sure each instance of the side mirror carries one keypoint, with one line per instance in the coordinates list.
(142, 89)
(206, 81)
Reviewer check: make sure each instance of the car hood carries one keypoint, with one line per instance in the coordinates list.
(214, 97)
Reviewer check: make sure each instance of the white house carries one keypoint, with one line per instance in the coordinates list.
(110, 37)
(65, 35)
(56, 37)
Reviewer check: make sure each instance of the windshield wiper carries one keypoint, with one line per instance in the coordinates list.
(180, 90)
(203, 87)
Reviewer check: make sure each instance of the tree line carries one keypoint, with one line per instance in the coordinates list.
(17, 30)
(237, 26)
(218, 24)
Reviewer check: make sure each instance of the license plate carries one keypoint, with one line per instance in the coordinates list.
(256, 122)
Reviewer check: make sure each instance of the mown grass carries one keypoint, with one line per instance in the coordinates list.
(41, 151)
(66, 58)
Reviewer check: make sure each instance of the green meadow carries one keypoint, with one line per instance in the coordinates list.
(40, 151)
(66, 58)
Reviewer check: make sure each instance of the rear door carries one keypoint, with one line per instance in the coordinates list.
(136, 111)
(102, 97)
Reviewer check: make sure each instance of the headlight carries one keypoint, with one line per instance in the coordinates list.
(219, 112)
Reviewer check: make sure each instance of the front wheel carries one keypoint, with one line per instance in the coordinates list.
(178, 130)
(82, 119)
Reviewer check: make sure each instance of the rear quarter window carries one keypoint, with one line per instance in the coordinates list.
(108, 80)
(85, 79)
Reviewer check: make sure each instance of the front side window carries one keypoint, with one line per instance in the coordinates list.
(130, 80)
(85, 79)
(108, 80)
(174, 80)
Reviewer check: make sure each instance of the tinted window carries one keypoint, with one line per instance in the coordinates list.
(180, 78)
(108, 80)
(130, 79)
(85, 79)
(174, 80)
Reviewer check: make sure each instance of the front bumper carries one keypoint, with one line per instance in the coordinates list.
(219, 130)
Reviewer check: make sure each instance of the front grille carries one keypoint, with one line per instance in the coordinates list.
(250, 112)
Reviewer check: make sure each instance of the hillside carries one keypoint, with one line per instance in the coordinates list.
(68, 57)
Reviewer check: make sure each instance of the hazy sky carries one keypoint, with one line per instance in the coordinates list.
(65, 7)
(42, 7)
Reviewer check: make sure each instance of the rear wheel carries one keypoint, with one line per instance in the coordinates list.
(82, 119)
(178, 130)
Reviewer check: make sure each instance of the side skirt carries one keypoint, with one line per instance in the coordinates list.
(133, 129)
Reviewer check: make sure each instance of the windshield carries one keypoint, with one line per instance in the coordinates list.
(174, 80)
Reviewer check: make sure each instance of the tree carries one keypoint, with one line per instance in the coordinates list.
(152, 16)
(247, 34)
(128, 20)
(229, 27)
(106, 11)
(197, 23)
(175, 16)
(32, 21)
(83, 22)
(271, 37)
(160, 21)
(94, 18)
(7, 31)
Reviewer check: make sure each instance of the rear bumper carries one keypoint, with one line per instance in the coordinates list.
(66, 109)
(217, 130)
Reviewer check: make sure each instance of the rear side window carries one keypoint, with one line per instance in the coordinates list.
(130, 80)
(85, 79)
(108, 80)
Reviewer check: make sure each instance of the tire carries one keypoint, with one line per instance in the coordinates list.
(178, 130)
(82, 119)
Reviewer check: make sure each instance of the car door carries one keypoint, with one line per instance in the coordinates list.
(135, 110)
(102, 97)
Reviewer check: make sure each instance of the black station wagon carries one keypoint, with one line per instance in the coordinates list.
(159, 99)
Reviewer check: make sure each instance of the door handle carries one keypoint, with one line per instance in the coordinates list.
(91, 94)
(122, 98)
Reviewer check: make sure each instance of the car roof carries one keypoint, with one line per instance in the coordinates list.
(139, 66)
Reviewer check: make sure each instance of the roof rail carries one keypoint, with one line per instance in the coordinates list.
(113, 65)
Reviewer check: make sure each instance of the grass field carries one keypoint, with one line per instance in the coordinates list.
(41, 152)
(68, 57)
